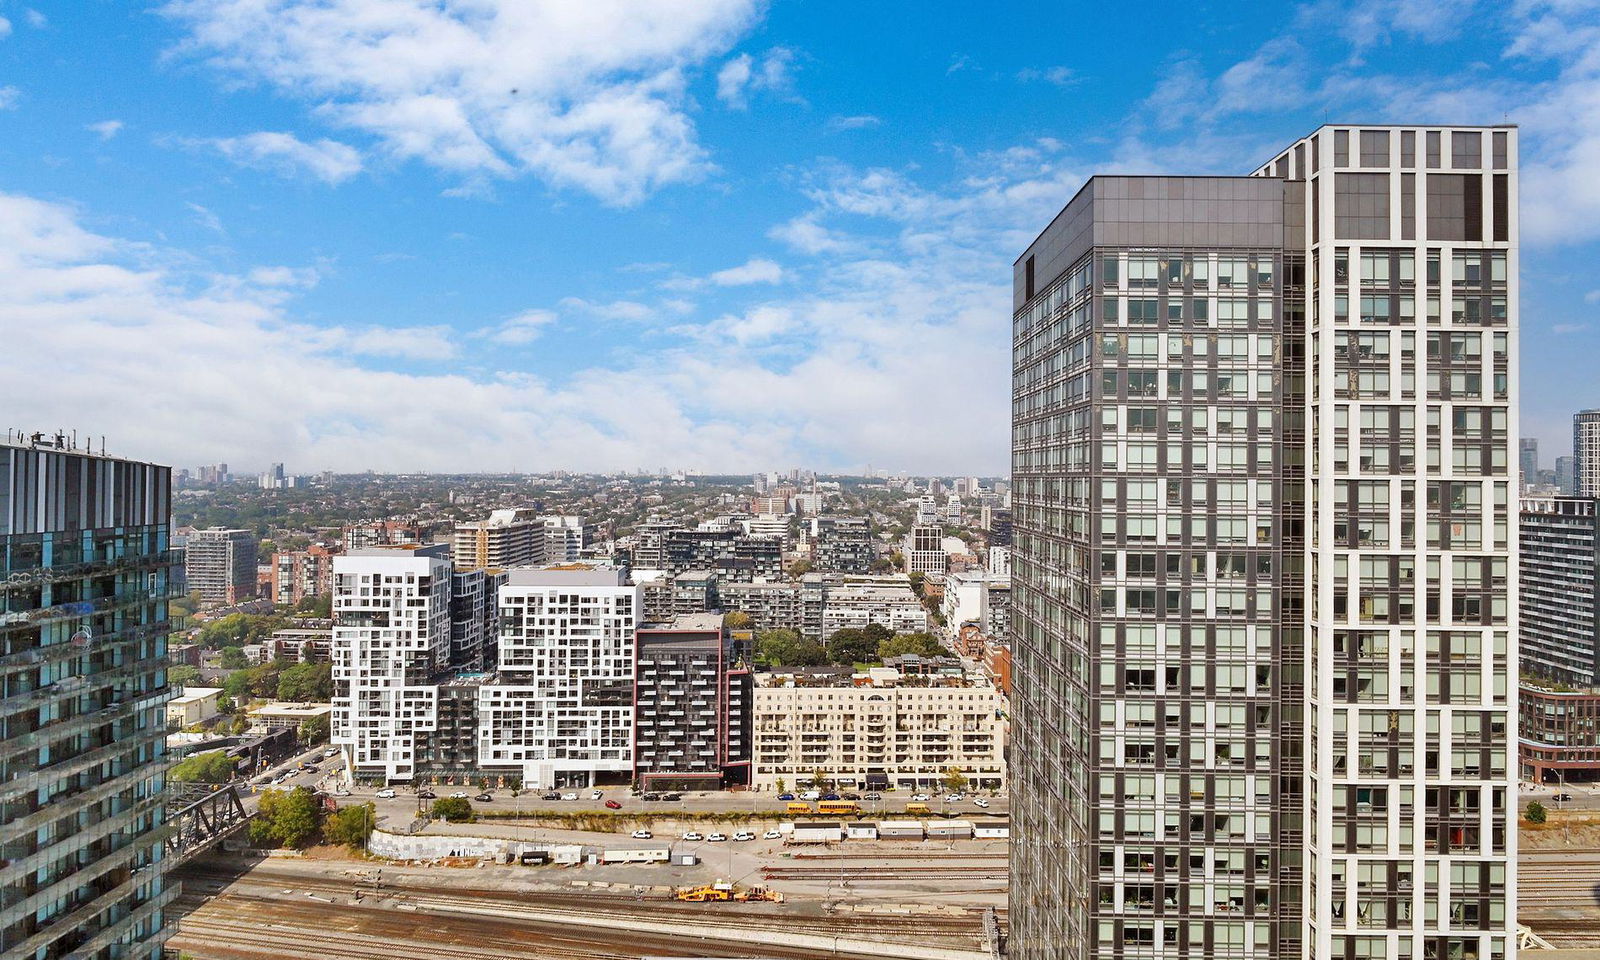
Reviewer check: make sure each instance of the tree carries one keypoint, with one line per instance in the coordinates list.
(1536, 812)
(287, 818)
(350, 826)
(314, 730)
(213, 766)
(452, 809)
(877, 632)
(897, 560)
(917, 581)
(955, 781)
(881, 565)
(233, 658)
(306, 683)
(921, 644)
(851, 645)
(315, 605)
(799, 568)
(819, 779)
(782, 785)
(786, 648)
(183, 675)
(736, 620)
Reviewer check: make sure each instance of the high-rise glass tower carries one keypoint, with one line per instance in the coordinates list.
(1264, 602)
(86, 571)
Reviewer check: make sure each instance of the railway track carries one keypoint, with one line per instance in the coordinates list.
(976, 872)
(285, 897)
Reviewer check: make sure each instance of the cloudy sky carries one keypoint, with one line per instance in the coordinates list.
(711, 234)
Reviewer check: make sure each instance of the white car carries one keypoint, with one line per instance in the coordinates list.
(385, 794)
(981, 802)
(642, 835)
(744, 835)
(920, 798)
(569, 796)
(596, 795)
(459, 795)
(715, 838)
(954, 798)
(692, 835)
(811, 795)
(771, 835)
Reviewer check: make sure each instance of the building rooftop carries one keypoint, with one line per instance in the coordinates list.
(568, 575)
(194, 695)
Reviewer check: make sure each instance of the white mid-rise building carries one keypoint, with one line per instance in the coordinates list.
(560, 712)
(391, 639)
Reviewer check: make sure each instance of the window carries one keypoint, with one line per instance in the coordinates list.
(1374, 148)
(1466, 149)
(1361, 206)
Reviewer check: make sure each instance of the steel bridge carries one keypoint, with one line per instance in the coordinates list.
(200, 815)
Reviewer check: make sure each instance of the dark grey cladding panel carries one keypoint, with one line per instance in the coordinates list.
(1294, 215)
(1164, 212)
(1067, 238)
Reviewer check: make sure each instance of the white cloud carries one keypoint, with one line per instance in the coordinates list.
(805, 234)
(5, 27)
(628, 310)
(106, 129)
(743, 75)
(9, 97)
(754, 270)
(524, 328)
(289, 156)
(1058, 76)
(861, 122)
(1562, 329)
(1593, 296)
(206, 218)
(588, 96)
(35, 19)
(406, 343)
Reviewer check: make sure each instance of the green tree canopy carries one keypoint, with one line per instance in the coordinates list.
(452, 809)
(955, 781)
(233, 658)
(877, 632)
(786, 648)
(350, 826)
(290, 818)
(1536, 812)
(183, 675)
(317, 605)
(314, 730)
(306, 683)
(736, 620)
(238, 629)
(921, 644)
(213, 766)
(851, 645)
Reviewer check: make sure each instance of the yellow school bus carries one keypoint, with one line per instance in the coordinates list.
(797, 808)
(838, 806)
(917, 808)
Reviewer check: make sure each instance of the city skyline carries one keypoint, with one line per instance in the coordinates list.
(276, 246)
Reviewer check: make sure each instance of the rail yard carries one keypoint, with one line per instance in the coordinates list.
(237, 909)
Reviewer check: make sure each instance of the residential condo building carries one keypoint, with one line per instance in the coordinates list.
(86, 572)
(221, 565)
(1265, 614)
(1586, 453)
(691, 705)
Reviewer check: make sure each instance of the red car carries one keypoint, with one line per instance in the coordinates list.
(614, 805)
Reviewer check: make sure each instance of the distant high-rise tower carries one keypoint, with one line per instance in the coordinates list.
(1566, 476)
(86, 572)
(221, 565)
(1528, 460)
(1264, 621)
(1586, 452)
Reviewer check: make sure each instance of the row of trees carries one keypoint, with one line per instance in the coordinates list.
(296, 682)
(871, 644)
(295, 818)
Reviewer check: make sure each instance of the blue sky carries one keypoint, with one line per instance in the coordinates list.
(710, 234)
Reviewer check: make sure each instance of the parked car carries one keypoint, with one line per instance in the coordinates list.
(642, 835)
(596, 795)
(426, 794)
(550, 796)
(849, 796)
(1562, 797)
(385, 794)
(785, 796)
(715, 838)
(569, 796)
(771, 835)
(920, 797)
(693, 835)
(330, 753)
(744, 835)
(954, 798)
(829, 796)
(981, 802)
(672, 796)
(484, 797)
(652, 796)
(613, 805)
(873, 796)
(459, 795)
(811, 795)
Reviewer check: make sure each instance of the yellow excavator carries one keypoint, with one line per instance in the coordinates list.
(722, 891)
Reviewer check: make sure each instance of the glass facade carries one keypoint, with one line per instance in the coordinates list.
(86, 572)
(1264, 600)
